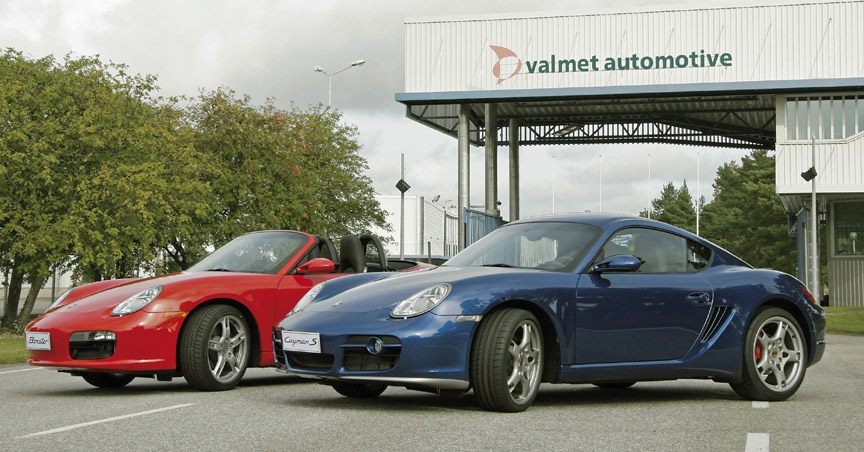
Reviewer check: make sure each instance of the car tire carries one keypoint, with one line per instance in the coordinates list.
(103, 380)
(214, 348)
(618, 385)
(507, 360)
(775, 357)
(358, 390)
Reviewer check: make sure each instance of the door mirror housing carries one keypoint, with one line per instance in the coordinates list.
(316, 266)
(620, 263)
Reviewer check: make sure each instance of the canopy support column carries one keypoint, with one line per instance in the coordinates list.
(491, 159)
(514, 169)
(464, 171)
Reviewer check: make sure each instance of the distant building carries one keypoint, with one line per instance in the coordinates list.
(429, 227)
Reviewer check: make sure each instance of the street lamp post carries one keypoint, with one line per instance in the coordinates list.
(330, 77)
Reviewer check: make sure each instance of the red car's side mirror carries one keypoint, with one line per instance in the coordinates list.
(316, 266)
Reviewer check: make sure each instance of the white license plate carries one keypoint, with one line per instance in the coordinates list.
(296, 341)
(38, 341)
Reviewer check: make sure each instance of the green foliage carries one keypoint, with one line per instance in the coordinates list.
(675, 206)
(102, 177)
(745, 218)
(12, 349)
(95, 165)
(275, 169)
(845, 320)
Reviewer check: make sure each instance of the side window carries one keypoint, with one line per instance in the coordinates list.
(660, 252)
(698, 256)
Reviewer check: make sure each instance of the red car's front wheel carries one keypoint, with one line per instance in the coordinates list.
(214, 348)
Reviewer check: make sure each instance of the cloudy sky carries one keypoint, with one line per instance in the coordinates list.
(268, 48)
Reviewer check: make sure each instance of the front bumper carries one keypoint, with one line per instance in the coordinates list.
(145, 342)
(428, 351)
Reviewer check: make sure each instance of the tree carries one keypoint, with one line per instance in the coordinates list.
(674, 206)
(101, 176)
(32, 208)
(745, 218)
(275, 169)
(91, 166)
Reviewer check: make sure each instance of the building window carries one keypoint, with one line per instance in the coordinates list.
(849, 228)
(824, 117)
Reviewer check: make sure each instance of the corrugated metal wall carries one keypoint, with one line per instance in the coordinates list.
(840, 166)
(846, 280)
(775, 42)
(839, 162)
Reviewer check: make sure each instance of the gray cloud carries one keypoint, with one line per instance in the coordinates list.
(267, 49)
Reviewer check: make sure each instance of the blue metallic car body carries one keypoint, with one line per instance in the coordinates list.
(646, 334)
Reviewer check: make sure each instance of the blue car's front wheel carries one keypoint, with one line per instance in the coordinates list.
(507, 360)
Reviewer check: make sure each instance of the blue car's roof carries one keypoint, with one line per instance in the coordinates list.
(600, 219)
(611, 222)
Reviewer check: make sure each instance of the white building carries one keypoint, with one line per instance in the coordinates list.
(764, 75)
(429, 228)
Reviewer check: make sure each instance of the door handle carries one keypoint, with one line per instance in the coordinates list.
(699, 298)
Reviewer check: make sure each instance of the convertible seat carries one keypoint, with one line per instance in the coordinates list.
(352, 258)
(376, 260)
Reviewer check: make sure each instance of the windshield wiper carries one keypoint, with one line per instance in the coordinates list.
(499, 265)
(219, 270)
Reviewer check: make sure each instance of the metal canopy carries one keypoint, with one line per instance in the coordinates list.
(734, 120)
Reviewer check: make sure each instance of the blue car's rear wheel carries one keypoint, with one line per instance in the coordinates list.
(507, 360)
(214, 348)
(775, 357)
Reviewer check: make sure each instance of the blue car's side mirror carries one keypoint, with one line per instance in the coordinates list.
(619, 263)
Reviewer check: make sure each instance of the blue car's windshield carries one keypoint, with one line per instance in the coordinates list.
(258, 252)
(543, 245)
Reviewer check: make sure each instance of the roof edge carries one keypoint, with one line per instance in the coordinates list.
(762, 87)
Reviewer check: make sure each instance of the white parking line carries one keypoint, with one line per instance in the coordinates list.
(102, 421)
(760, 404)
(19, 370)
(757, 442)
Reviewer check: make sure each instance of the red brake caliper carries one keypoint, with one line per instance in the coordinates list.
(757, 350)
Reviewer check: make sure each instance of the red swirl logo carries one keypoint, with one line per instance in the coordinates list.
(504, 55)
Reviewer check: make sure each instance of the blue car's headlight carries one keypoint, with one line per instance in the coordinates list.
(137, 301)
(313, 292)
(422, 301)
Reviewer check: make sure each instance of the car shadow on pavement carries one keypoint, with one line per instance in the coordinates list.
(587, 395)
(145, 386)
(397, 399)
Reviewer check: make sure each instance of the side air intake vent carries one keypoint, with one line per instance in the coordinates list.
(716, 319)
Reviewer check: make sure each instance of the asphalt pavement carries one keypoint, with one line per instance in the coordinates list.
(43, 410)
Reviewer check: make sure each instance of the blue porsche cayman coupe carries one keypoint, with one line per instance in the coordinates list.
(586, 298)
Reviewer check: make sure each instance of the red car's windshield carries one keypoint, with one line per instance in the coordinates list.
(257, 252)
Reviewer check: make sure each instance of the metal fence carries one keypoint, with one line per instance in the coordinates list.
(478, 224)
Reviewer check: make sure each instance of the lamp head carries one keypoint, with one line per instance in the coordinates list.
(809, 174)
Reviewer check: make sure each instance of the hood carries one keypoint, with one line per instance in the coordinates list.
(187, 286)
(469, 283)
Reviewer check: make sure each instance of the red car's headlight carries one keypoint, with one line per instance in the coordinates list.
(137, 301)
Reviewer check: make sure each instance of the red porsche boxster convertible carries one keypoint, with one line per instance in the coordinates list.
(208, 323)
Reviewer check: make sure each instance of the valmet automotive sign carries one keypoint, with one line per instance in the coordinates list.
(509, 64)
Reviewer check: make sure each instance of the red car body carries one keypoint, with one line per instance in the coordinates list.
(149, 341)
